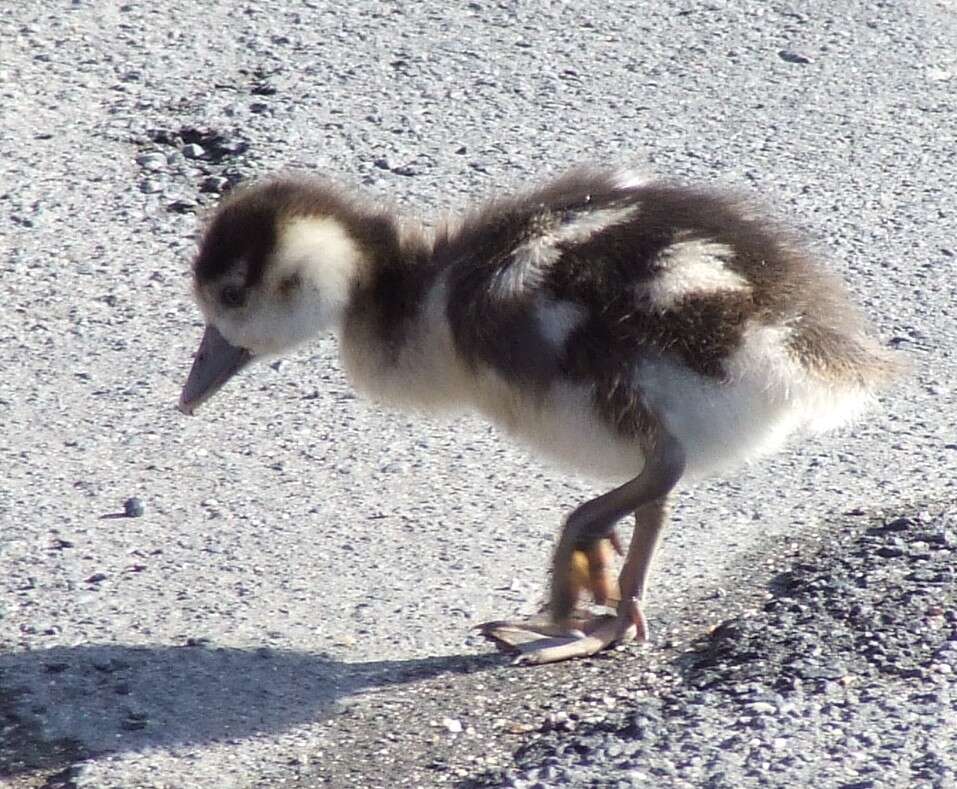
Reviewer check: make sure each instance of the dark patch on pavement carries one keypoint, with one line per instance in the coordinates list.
(853, 655)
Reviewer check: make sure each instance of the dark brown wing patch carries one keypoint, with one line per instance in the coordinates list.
(603, 273)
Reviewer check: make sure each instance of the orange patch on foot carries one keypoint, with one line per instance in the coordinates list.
(579, 576)
(592, 569)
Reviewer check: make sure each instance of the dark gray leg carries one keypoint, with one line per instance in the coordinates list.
(594, 520)
(633, 581)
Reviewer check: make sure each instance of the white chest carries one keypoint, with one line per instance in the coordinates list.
(562, 427)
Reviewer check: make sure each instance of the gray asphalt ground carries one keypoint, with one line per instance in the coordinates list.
(292, 606)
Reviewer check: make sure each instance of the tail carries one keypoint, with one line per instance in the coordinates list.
(848, 371)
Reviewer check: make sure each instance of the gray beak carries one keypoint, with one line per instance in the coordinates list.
(215, 363)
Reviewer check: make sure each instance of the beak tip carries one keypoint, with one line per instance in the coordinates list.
(215, 362)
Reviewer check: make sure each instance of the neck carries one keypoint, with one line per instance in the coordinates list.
(395, 342)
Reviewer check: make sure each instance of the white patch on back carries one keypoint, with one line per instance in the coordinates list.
(766, 397)
(526, 268)
(530, 260)
(558, 319)
(691, 268)
(588, 223)
(631, 179)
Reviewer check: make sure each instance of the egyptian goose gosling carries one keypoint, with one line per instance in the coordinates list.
(639, 331)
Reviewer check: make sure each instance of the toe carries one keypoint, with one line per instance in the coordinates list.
(509, 635)
(553, 650)
(630, 610)
(602, 580)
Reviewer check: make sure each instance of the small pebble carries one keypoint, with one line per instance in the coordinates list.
(889, 551)
(133, 508)
(194, 151)
(408, 170)
(134, 721)
(793, 57)
(762, 707)
(454, 726)
(182, 205)
(151, 161)
(213, 184)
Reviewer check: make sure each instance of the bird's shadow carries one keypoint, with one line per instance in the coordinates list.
(63, 704)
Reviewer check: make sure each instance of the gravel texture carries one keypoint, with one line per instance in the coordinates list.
(279, 591)
(844, 677)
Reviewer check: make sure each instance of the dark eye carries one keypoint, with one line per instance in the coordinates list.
(232, 296)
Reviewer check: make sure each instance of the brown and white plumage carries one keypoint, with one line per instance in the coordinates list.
(639, 331)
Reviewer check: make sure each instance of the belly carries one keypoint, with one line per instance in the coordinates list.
(766, 398)
(564, 428)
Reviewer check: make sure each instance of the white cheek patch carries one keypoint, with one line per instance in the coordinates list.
(692, 268)
(305, 289)
(318, 251)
